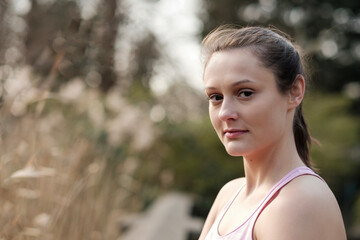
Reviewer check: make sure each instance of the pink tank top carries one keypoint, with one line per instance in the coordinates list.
(245, 230)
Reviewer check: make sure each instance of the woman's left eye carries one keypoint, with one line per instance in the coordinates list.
(245, 93)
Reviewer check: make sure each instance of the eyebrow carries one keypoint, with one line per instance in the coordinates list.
(233, 85)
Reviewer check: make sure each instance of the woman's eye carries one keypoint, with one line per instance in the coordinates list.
(215, 98)
(245, 93)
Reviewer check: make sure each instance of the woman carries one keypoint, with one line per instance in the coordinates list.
(255, 83)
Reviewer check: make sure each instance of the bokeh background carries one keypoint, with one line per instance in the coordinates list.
(102, 107)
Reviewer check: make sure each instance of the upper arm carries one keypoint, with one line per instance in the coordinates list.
(226, 192)
(301, 214)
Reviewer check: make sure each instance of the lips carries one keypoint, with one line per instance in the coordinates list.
(234, 133)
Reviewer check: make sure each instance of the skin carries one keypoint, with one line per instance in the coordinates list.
(254, 120)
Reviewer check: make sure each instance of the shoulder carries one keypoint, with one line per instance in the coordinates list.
(227, 192)
(304, 209)
(224, 195)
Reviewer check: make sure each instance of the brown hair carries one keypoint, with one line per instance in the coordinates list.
(275, 51)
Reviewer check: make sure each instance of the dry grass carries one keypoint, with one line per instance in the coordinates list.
(59, 179)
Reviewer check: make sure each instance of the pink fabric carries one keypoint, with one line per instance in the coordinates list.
(245, 230)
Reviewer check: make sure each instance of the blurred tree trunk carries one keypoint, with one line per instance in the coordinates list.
(60, 46)
(47, 43)
(109, 22)
(58, 41)
(3, 30)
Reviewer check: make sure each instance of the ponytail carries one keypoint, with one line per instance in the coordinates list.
(302, 136)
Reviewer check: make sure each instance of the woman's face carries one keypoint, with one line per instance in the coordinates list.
(247, 110)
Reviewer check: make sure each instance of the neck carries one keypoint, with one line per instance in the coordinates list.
(265, 168)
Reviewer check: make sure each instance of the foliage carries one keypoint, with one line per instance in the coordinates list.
(338, 133)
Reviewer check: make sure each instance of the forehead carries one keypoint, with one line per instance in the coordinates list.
(235, 64)
(233, 58)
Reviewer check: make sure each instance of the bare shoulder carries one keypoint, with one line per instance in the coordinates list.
(304, 209)
(224, 195)
(228, 191)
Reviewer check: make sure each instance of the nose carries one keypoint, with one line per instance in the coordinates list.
(228, 111)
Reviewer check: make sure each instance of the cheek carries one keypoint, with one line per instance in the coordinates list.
(215, 121)
(269, 114)
(212, 116)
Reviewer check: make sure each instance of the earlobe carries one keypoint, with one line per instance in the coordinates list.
(297, 91)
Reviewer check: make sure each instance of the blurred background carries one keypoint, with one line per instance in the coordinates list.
(102, 107)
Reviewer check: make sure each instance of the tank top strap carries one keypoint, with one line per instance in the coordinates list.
(230, 201)
(213, 232)
(245, 230)
(299, 171)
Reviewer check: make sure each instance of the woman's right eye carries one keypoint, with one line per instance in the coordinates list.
(215, 98)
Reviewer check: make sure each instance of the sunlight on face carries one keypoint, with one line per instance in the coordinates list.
(248, 112)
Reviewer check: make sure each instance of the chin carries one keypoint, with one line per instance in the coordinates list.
(234, 152)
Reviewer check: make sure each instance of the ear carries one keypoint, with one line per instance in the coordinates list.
(297, 91)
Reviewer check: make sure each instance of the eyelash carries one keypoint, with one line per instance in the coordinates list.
(212, 97)
(245, 91)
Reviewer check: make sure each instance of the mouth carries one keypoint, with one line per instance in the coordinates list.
(234, 133)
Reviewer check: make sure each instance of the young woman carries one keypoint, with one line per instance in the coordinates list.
(255, 82)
